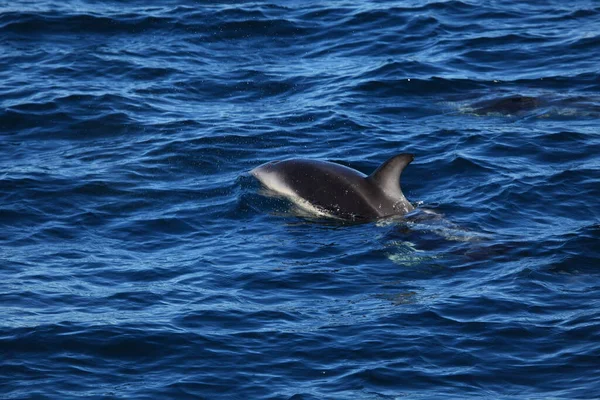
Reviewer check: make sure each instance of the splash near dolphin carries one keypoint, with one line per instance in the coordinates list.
(333, 190)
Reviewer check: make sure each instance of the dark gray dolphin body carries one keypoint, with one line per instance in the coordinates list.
(510, 105)
(335, 190)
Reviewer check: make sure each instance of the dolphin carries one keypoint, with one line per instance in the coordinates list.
(510, 105)
(333, 190)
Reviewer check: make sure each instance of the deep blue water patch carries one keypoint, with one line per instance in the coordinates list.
(140, 260)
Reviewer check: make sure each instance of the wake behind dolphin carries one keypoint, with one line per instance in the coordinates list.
(333, 190)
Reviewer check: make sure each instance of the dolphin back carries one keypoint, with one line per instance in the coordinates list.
(337, 190)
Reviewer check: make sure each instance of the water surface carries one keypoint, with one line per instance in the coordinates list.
(140, 260)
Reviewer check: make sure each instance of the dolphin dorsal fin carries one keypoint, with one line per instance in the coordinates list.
(387, 176)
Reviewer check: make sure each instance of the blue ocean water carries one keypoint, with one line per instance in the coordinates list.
(139, 260)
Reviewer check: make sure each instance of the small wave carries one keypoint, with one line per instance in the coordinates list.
(59, 23)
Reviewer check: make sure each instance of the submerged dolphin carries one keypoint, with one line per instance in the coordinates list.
(334, 190)
(507, 105)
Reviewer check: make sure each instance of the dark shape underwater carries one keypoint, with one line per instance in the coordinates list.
(507, 105)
